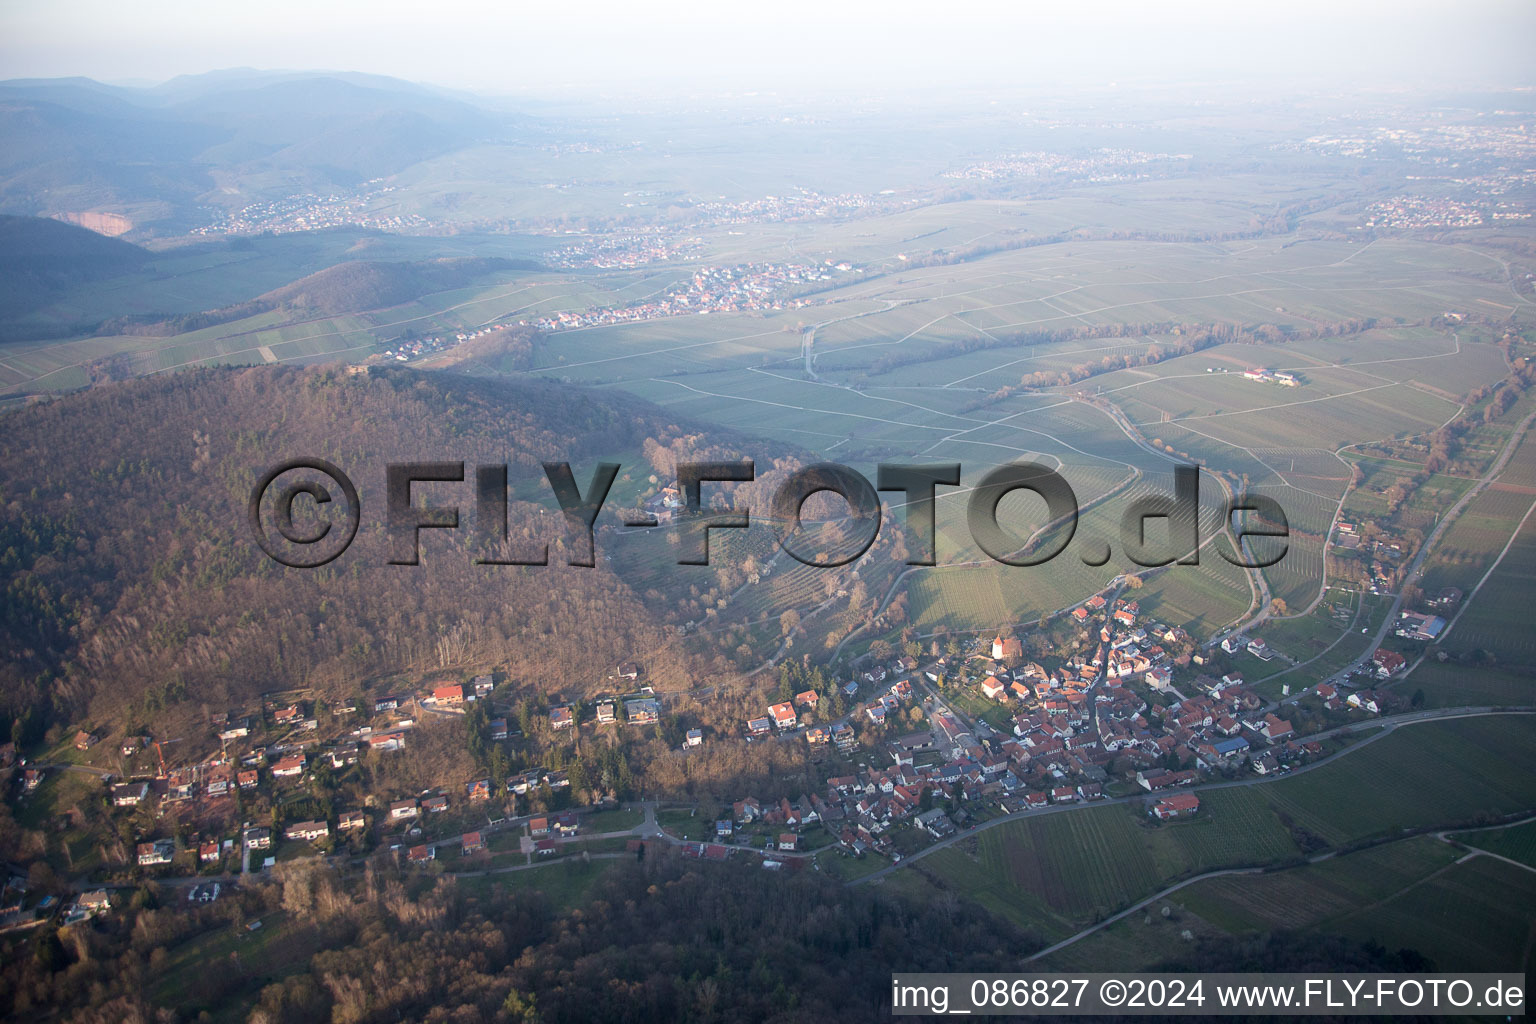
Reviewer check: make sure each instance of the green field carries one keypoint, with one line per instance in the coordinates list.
(1417, 776)
(1061, 872)
(1517, 842)
(1416, 894)
(1494, 620)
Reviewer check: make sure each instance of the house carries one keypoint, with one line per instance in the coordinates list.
(994, 689)
(471, 843)
(539, 826)
(351, 820)
(724, 828)
(1259, 649)
(478, 789)
(308, 831)
(498, 728)
(1080, 614)
(129, 794)
(1234, 747)
(98, 901)
(630, 669)
(159, 851)
(695, 737)
(759, 726)
(1367, 700)
(289, 767)
(453, 693)
(783, 715)
(876, 713)
(422, 854)
(386, 742)
(402, 810)
(86, 740)
(482, 685)
(642, 712)
(562, 717)
(435, 804)
(807, 699)
(936, 822)
(1268, 764)
(31, 778)
(1176, 805)
(290, 715)
(546, 847)
(1275, 729)
(219, 780)
(386, 703)
(788, 841)
(843, 737)
(1388, 663)
(605, 712)
(208, 852)
(1234, 643)
(257, 838)
(1063, 795)
(816, 736)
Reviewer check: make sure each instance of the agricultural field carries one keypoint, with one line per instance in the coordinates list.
(1418, 775)
(1517, 842)
(1060, 872)
(1311, 895)
(1477, 915)
(1417, 894)
(1454, 685)
(1493, 619)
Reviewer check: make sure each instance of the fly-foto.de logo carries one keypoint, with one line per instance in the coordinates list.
(305, 513)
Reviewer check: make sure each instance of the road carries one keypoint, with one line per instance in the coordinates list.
(1443, 836)
(1415, 567)
(1258, 586)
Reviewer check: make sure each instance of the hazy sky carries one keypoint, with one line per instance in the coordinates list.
(789, 45)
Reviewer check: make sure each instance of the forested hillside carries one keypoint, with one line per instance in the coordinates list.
(40, 257)
(135, 592)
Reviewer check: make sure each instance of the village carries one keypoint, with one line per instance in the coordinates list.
(927, 750)
(751, 287)
(306, 211)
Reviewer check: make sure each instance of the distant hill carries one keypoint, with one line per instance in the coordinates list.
(350, 287)
(359, 285)
(75, 145)
(40, 257)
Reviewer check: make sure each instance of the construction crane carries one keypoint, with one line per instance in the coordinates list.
(159, 753)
